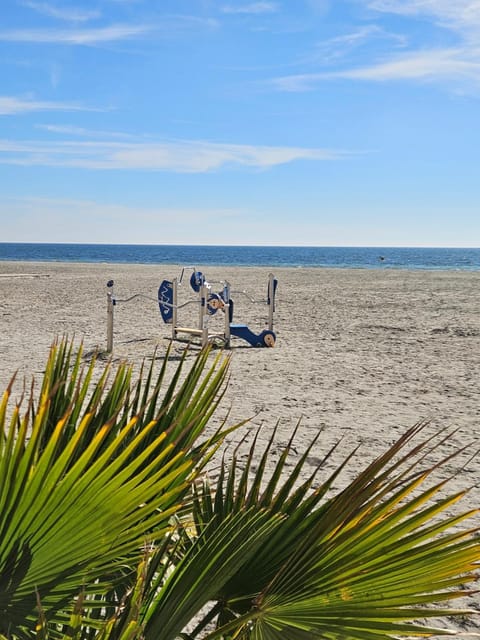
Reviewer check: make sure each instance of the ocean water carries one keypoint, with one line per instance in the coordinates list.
(340, 257)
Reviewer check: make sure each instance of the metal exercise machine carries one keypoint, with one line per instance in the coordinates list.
(209, 304)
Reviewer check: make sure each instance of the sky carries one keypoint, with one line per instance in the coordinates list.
(237, 122)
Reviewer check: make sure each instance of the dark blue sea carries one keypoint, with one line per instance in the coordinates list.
(340, 257)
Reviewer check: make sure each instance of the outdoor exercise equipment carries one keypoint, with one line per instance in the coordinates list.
(209, 303)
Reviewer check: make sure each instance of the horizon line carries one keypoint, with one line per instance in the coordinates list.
(260, 246)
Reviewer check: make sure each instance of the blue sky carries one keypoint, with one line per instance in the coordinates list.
(286, 122)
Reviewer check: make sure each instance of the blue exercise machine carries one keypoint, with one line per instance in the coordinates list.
(209, 303)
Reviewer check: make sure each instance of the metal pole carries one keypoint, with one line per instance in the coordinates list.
(271, 300)
(174, 308)
(110, 305)
(226, 309)
(203, 318)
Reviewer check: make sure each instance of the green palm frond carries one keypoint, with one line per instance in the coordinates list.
(365, 563)
(88, 475)
(193, 582)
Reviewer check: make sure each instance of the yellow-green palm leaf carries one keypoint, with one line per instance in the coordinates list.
(363, 564)
(89, 475)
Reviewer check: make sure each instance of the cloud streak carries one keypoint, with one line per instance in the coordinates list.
(62, 13)
(436, 64)
(83, 132)
(10, 105)
(459, 15)
(455, 66)
(452, 64)
(169, 25)
(110, 33)
(178, 157)
(341, 46)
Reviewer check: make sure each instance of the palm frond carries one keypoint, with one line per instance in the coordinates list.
(85, 481)
(367, 562)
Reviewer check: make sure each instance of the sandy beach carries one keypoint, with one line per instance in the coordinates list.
(364, 354)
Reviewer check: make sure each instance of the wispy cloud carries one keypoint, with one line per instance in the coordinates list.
(169, 25)
(251, 8)
(341, 46)
(69, 14)
(456, 65)
(435, 64)
(82, 132)
(177, 156)
(461, 15)
(75, 36)
(10, 105)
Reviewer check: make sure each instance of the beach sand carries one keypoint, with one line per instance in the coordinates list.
(363, 354)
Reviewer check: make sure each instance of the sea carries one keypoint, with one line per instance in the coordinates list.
(193, 255)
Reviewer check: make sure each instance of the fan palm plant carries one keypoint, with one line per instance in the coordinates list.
(111, 528)
(90, 474)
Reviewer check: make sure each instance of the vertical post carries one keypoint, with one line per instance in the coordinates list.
(203, 318)
(110, 305)
(201, 308)
(271, 300)
(226, 310)
(174, 308)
